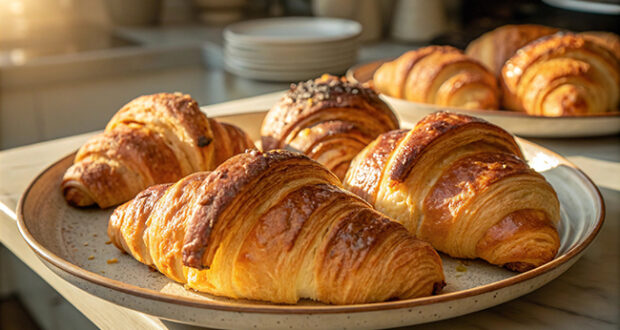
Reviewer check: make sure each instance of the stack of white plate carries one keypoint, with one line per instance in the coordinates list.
(290, 48)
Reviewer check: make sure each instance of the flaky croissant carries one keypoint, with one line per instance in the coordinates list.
(460, 183)
(328, 119)
(562, 74)
(274, 226)
(495, 47)
(606, 39)
(440, 75)
(153, 139)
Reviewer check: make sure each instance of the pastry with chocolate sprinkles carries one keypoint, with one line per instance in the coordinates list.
(328, 119)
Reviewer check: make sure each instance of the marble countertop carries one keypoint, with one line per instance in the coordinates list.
(585, 297)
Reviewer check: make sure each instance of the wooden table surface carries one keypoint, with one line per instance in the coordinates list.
(586, 296)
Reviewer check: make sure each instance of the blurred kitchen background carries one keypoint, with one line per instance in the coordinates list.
(66, 66)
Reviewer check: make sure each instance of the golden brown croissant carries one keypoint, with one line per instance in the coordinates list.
(153, 139)
(440, 75)
(274, 226)
(605, 39)
(328, 119)
(562, 74)
(495, 47)
(460, 183)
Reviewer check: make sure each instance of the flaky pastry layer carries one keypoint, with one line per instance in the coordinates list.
(440, 75)
(461, 184)
(328, 119)
(153, 139)
(277, 227)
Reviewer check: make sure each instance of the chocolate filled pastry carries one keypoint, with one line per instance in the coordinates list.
(153, 139)
(461, 184)
(562, 75)
(328, 119)
(495, 47)
(440, 75)
(274, 226)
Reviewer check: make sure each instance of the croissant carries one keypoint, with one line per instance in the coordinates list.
(461, 184)
(328, 119)
(274, 226)
(606, 39)
(562, 74)
(440, 75)
(495, 47)
(153, 139)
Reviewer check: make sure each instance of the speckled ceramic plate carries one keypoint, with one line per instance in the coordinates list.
(72, 242)
(517, 123)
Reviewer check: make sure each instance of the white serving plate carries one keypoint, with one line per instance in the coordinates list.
(292, 30)
(517, 123)
(58, 233)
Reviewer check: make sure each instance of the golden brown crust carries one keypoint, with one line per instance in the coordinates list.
(127, 231)
(440, 75)
(281, 226)
(181, 108)
(153, 139)
(606, 39)
(461, 184)
(221, 188)
(350, 245)
(228, 141)
(504, 242)
(368, 172)
(429, 130)
(495, 47)
(305, 99)
(329, 119)
(136, 150)
(275, 226)
(390, 78)
(562, 74)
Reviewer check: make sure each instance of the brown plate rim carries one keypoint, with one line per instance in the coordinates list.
(116, 285)
(350, 75)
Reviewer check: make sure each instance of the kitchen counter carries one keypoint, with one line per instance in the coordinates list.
(46, 93)
(585, 297)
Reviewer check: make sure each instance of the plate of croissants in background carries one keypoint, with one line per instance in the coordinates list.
(327, 214)
(532, 80)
